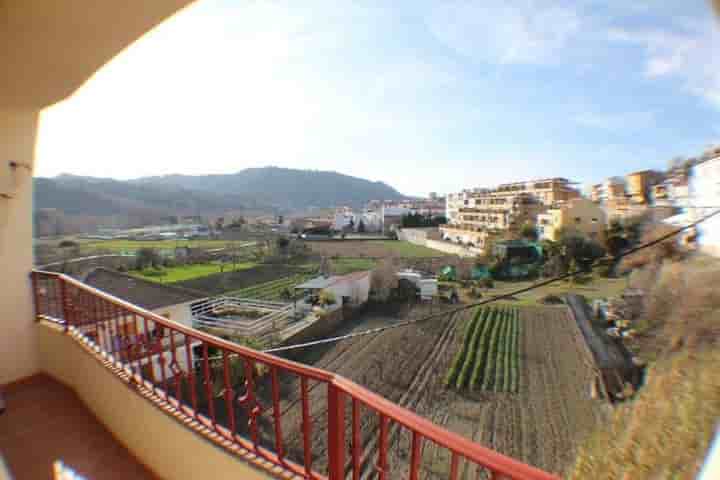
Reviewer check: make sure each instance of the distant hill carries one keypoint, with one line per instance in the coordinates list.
(267, 189)
(283, 187)
(103, 197)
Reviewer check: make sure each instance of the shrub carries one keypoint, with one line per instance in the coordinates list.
(327, 298)
(486, 282)
(67, 244)
(668, 249)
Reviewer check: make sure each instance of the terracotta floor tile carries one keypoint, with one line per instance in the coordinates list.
(45, 421)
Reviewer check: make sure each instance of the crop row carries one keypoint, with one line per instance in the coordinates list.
(273, 289)
(489, 356)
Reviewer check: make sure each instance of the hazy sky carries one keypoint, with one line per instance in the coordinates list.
(426, 96)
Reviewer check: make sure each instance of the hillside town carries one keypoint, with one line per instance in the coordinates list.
(384, 293)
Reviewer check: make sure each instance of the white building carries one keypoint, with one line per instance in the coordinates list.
(343, 221)
(392, 217)
(704, 193)
(352, 289)
(372, 220)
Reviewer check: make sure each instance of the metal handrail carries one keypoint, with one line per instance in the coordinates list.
(338, 388)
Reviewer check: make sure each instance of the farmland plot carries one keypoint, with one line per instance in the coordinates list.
(272, 290)
(539, 422)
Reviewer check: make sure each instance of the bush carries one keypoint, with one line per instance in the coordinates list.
(67, 244)
(533, 272)
(327, 298)
(668, 249)
(486, 283)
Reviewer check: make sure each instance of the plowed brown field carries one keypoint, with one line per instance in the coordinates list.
(540, 425)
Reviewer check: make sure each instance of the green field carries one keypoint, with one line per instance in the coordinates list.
(272, 290)
(132, 245)
(598, 288)
(187, 272)
(489, 357)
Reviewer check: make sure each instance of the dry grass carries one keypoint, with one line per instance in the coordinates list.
(682, 307)
(667, 249)
(664, 432)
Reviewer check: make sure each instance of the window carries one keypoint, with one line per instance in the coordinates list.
(578, 219)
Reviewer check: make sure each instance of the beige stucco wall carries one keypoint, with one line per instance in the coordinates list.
(48, 50)
(564, 219)
(17, 341)
(178, 313)
(159, 441)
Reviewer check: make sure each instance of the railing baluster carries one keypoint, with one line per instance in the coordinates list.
(162, 358)
(207, 381)
(191, 374)
(249, 400)
(64, 303)
(454, 462)
(175, 369)
(150, 342)
(415, 455)
(36, 296)
(382, 448)
(229, 393)
(306, 426)
(117, 339)
(356, 438)
(137, 347)
(276, 413)
(336, 433)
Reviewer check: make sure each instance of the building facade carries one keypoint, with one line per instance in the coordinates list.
(640, 185)
(475, 215)
(704, 196)
(580, 216)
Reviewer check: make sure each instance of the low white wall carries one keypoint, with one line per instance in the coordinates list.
(419, 236)
(453, 249)
(164, 444)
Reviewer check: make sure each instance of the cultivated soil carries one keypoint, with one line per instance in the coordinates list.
(540, 425)
(223, 282)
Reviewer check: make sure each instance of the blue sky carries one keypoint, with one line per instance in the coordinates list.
(426, 96)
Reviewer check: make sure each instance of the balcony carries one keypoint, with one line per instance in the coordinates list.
(162, 389)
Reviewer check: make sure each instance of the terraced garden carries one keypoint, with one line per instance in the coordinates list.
(489, 357)
(274, 289)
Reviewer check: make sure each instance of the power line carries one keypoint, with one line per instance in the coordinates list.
(451, 312)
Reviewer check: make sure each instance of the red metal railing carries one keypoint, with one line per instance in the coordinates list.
(292, 415)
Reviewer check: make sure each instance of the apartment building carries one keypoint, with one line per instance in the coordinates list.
(474, 215)
(579, 215)
(640, 185)
(547, 191)
(612, 188)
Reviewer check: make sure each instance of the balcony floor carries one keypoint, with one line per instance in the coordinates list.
(45, 421)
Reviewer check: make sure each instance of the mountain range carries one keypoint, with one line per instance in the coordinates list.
(259, 189)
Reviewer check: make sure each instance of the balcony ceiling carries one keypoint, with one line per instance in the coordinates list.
(50, 48)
